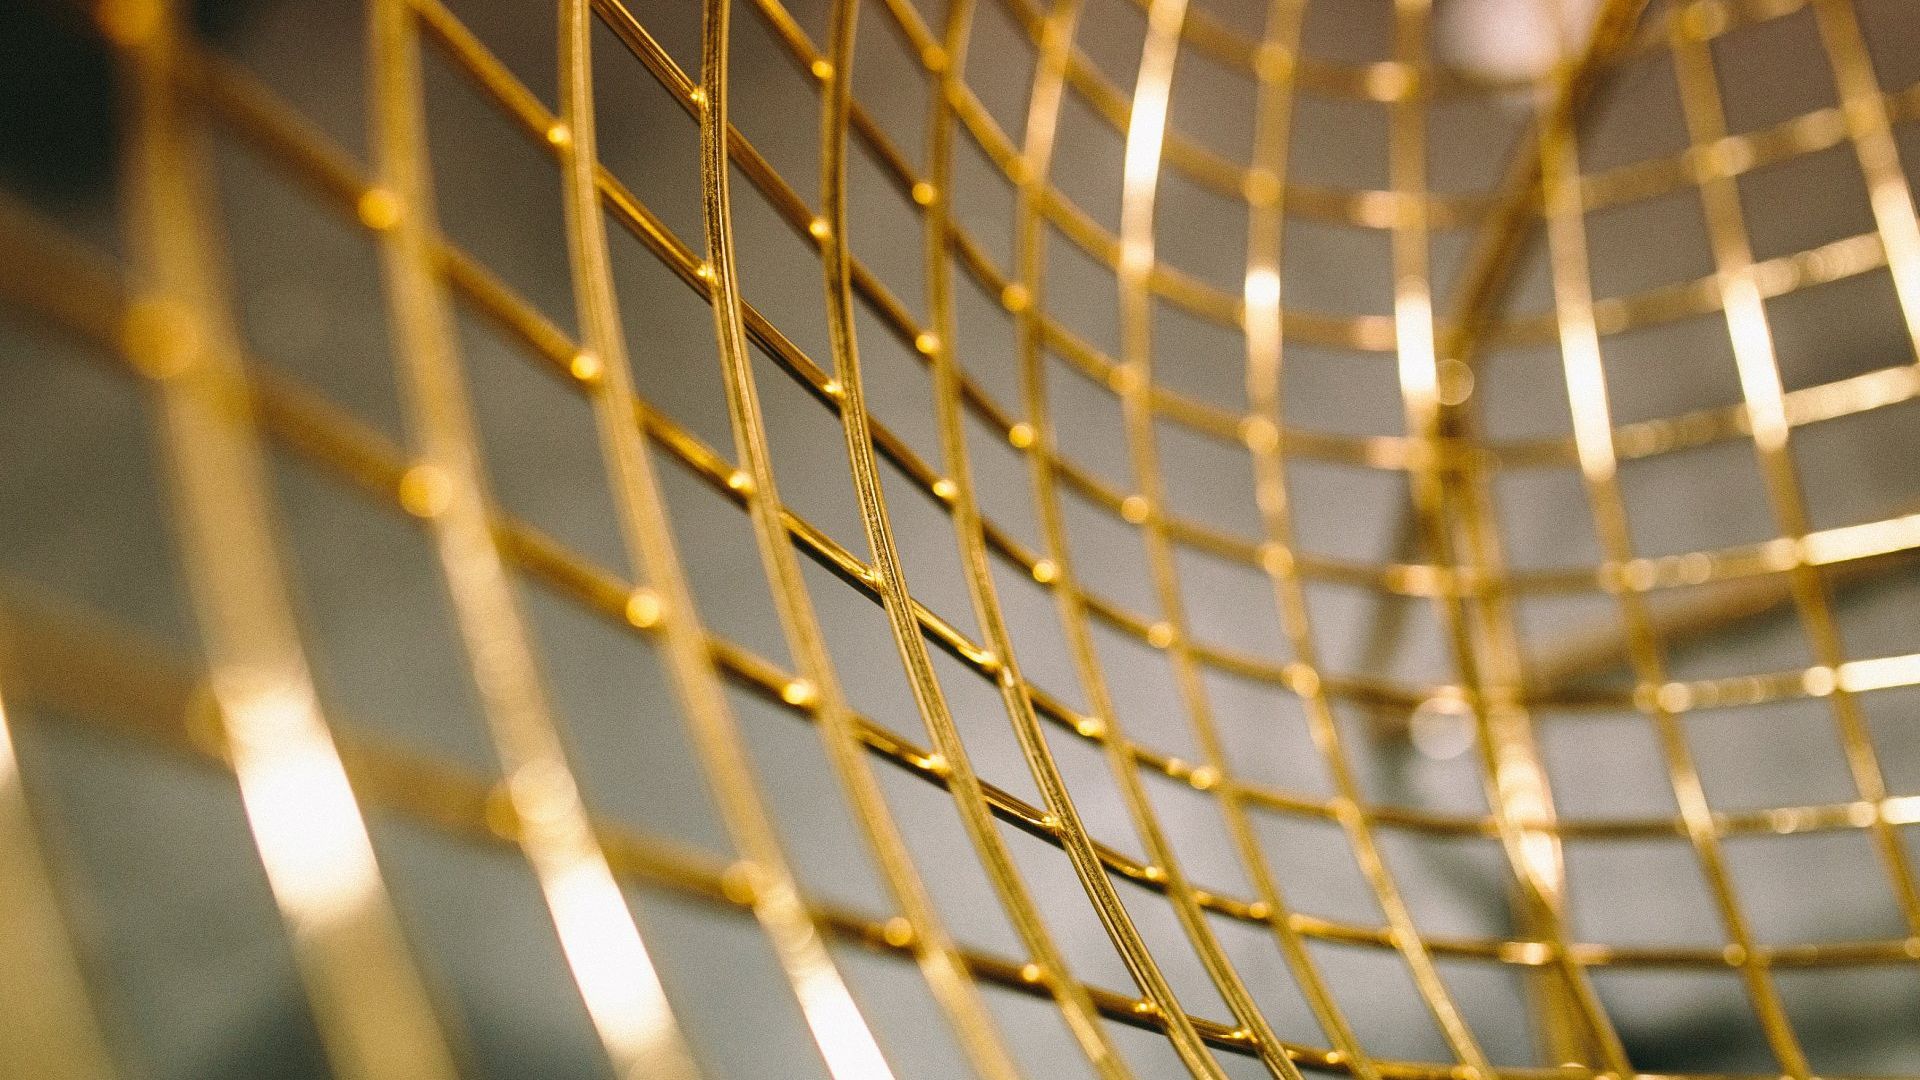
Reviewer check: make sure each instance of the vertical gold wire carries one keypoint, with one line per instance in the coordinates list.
(1261, 329)
(598, 935)
(1419, 387)
(1593, 435)
(1572, 1023)
(1753, 357)
(1871, 131)
(977, 1032)
(1587, 385)
(1306, 680)
(1029, 242)
(1482, 635)
(1761, 389)
(826, 1004)
(947, 977)
(1899, 231)
(1485, 649)
(51, 1032)
(1265, 370)
(1051, 965)
(1140, 175)
(370, 1003)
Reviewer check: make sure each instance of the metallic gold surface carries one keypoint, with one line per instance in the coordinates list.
(163, 319)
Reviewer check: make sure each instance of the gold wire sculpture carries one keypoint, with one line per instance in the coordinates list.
(161, 305)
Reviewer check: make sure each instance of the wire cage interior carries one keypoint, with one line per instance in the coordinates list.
(862, 538)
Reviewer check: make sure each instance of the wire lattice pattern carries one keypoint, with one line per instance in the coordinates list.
(165, 313)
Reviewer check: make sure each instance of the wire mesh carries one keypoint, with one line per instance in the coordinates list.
(1015, 333)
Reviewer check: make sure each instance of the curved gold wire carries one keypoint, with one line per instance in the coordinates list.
(370, 1003)
(52, 1029)
(1272, 143)
(667, 604)
(1050, 966)
(601, 941)
(819, 686)
(1146, 136)
(1042, 129)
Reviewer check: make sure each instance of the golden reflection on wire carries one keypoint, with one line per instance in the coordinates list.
(598, 935)
(51, 1030)
(1140, 180)
(306, 824)
(763, 876)
(297, 796)
(1864, 110)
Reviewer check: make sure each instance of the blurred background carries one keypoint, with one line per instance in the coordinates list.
(188, 966)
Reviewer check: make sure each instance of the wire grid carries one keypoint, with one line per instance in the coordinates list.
(166, 316)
